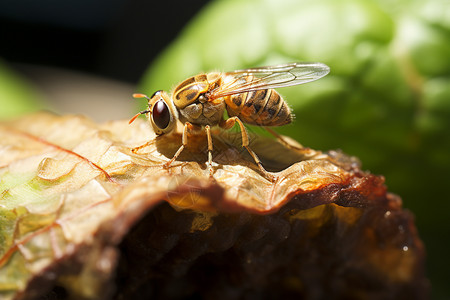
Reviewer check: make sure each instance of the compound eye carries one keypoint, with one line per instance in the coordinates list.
(161, 114)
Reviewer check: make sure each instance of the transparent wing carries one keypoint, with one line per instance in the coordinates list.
(270, 77)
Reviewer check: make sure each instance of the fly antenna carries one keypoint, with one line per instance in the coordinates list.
(139, 95)
(138, 114)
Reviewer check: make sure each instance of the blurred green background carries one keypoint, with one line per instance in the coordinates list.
(386, 100)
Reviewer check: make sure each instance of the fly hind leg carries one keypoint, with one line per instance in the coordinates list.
(283, 141)
(229, 123)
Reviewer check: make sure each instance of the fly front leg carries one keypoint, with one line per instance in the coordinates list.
(187, 127)
(229, 123)
(136, 149)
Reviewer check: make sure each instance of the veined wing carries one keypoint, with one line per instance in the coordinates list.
(270, 77)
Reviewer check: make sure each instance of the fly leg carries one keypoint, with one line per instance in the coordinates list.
(136, 149)
(229, 123)
(187, 127)
(283, 141)
(210, 149)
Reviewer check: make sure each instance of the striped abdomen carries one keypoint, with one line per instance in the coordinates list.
(261, 107)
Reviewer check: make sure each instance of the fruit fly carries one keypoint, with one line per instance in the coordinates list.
(248, 96)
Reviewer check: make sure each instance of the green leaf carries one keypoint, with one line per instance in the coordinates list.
(16, 96)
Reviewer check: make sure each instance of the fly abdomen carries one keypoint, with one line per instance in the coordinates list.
(260, 107)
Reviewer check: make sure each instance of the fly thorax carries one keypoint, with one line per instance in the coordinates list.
(208, 113)
(191, 112)
(214, 110)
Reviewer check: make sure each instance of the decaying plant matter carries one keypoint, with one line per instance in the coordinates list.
(83, 216)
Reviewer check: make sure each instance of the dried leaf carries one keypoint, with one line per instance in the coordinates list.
(73, 193)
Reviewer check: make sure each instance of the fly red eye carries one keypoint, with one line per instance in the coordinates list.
(161, 114)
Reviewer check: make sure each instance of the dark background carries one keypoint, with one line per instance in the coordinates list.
(112, 38)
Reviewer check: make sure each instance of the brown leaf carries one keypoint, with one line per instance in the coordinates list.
(75, 196)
